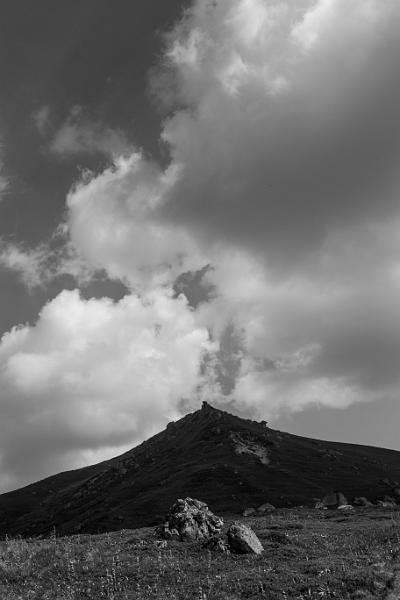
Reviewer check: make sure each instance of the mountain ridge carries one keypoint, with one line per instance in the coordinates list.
(222, 459)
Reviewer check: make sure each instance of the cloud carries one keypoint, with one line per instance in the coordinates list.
(324, 341)
(3, 186)
(27, 263)
(3, 179)
(281, 189)
(287, 143)
(38, 266)
(42, 120)
(289, 131)
(80, 134)
(93, 376)
(284, 143)
(113, 222)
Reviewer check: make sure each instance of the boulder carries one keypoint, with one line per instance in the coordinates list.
(266, 507)
(248, 512)
(243, 540)
(188, 520)
(346, 507)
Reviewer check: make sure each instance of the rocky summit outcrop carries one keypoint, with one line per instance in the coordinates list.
(188, 520)
(243, 540)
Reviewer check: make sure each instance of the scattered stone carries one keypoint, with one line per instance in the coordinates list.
(320, 505)
(189, 520)
(334, 500)
(266, 507)
(248, 512)
(384, 504)
(243, 540)
(362, 501)
(388, 498)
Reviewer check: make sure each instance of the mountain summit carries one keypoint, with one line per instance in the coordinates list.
(226, 461)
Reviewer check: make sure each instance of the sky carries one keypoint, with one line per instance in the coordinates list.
(198, 201)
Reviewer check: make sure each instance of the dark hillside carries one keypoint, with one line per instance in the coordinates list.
(224, 460)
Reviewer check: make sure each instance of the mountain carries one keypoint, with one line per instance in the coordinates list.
(226, 461)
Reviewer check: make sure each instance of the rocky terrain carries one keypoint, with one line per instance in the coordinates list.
(228, 462)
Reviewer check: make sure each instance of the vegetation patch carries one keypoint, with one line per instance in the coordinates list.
(320, 558)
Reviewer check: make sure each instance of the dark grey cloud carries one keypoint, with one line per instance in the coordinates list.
(90, 54)
(279, 171)
(195, 288)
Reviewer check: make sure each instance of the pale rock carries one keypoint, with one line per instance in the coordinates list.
(266, 507)
(243, 540)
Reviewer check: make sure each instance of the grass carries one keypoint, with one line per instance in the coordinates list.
(324, 555)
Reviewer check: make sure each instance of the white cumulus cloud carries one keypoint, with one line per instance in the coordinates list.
(93, 376)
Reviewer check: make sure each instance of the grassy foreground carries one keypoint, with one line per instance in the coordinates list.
(323, 555)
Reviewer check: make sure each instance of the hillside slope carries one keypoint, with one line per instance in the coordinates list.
(224, 460)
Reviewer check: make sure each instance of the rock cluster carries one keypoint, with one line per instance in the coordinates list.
(189, 520)
(262, 509)
(336, 500)
(386, 503)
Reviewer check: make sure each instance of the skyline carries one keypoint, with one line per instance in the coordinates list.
(198, 205)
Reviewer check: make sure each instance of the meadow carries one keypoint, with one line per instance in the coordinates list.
(309, 554)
